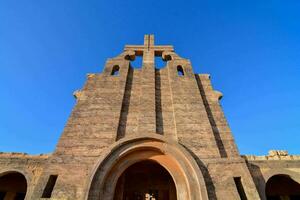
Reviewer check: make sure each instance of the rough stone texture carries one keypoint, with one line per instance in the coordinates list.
(153, 115)
(262, 168)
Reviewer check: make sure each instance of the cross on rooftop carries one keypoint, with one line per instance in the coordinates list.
(148, 50)
(148, 46)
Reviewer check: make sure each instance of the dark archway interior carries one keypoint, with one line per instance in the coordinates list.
(13, 186)
(281, 187)
(145, 180)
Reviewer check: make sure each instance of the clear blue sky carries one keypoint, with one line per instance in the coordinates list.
(250, 48)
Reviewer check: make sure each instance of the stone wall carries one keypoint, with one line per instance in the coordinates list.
(31, 166)
(262, 168)
(149, 114)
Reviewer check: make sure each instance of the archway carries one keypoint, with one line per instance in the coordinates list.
(13, 186)
(127, 152)
(282, 187)
(145, 180)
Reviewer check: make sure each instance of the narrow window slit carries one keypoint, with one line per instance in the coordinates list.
(115, 70)
(49, 186)
(240, 188)
(180, 71)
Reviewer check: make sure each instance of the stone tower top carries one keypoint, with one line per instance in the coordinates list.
(149, 50)
(168, 101)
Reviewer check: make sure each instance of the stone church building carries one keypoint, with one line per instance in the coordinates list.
(148, 134)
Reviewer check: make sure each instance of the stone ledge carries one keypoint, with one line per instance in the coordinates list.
(23, 155)
(273, 155)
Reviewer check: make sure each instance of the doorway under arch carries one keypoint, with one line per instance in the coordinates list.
(171, 156)
(13, 186)
(145, 180)
(282, 186)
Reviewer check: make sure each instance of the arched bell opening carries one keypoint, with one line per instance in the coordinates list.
(145, 180)
(13, 186)
(282, 187)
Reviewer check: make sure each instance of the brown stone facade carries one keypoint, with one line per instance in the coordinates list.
(148, 133)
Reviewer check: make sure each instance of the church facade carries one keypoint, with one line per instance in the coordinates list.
(156, 134)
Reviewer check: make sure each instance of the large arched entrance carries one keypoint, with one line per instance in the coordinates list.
(282, 187)
(13, 186)
(141, 158)
(145, 180)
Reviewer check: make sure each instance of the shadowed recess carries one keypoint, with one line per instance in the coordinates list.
(282, 186)
(125, 105)
(211, 119)
(145, 180)
(13, 186)
(158, 105)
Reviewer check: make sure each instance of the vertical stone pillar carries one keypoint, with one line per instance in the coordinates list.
(147, 116)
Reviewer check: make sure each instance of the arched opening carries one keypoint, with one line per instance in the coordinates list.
(145, 180)
(13, 186)
(126, 153)
(137, 63)
(180, 71)
(159, 62)
(282, 187)
(115, 70)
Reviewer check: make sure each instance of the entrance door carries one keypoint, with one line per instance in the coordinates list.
(145, 180)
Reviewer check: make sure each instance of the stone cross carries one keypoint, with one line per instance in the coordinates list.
(147, 114)
(148, 50)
